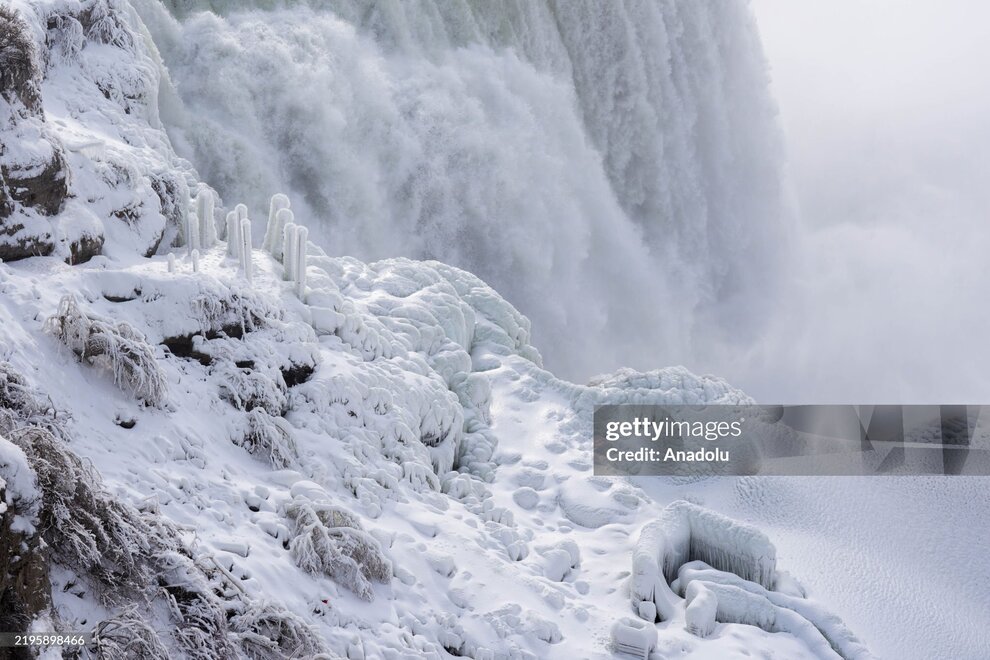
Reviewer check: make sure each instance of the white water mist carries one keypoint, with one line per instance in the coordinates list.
(612, 168)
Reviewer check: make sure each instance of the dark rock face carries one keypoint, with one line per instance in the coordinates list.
(6, 207)
(32, 188)
(45, 191)
(84, 248)
(24, 578)
(16, 244)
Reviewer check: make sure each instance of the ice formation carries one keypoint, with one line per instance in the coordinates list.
(545, 146)
(221, 451)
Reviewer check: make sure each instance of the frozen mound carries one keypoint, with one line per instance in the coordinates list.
(705, 567)
(684, 533)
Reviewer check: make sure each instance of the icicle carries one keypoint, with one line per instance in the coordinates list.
(288, 250)
(195, 261)
(192, 231)
(246, 253)
(283, 217)
(233, 234)
(171, 263)
(241, 211)
(273, 233)
(207, 224)
(300, 260)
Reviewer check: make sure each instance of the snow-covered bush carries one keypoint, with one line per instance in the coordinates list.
(127, 636)
(24, 590)
(117, 346)
(252, 389)
(104, 25)
(270, 631)
(89, 530)
(329, 540)
(18, 64)
(269, 439)
(22, 405)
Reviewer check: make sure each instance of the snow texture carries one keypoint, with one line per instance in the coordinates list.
(281, 452)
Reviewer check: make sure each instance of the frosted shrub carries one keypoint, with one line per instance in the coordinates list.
(127, 636)
(116, 346)
(21, 405)
(252, 389)
(273, 233)
(105, 27)
(89, 531)
(330, 541)
(269, 439)
(269, 631)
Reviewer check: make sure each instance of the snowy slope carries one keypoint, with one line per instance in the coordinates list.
(420, 369)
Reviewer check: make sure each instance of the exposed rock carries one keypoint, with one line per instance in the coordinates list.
(34, 174)
(84, 248)
(44, 190)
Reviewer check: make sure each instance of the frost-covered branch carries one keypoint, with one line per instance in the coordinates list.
(118, 346)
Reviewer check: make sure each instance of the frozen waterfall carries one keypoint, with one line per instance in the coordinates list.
(613, 168)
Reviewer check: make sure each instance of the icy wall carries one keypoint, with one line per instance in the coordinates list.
(623, 155)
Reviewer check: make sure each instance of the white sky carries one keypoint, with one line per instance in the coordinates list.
(885, 106)
(879, 96)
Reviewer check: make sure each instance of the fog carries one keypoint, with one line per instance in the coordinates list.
(884, 108)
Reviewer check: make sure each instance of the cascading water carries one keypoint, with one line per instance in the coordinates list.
(613, 168)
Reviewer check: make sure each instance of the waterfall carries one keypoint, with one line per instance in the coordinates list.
(612, 168)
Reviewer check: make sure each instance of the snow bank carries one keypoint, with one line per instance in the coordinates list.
(699, 575)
